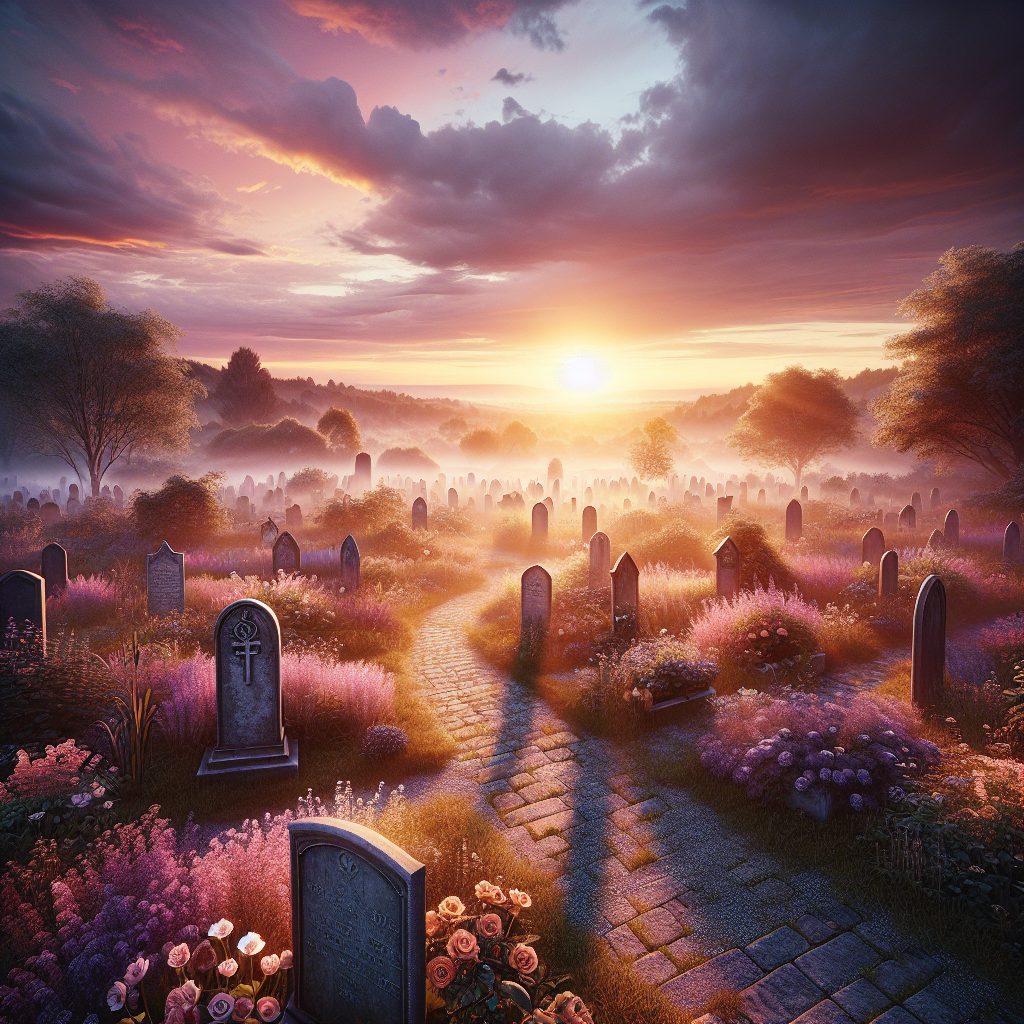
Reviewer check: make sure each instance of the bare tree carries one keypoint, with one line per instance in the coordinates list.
(93, 384)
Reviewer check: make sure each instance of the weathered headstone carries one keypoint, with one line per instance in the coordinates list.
(23, 599)
(803, 493)
(358, 926)
(549, 505)
(794, 521)
(539, 523)
(269, 531)
(908, 518)
(935, 498)
(73, 492)
(951, 528)
(54, 568)
(600, 560)
(727, 569)
(888, 574)
(743, 492)
(488, 502)
(915, 500)
(872, 546)
(73, 506)
(32, 505)
(928, 652)
(891, 520)
(419, 514)
(118, 494)
(453, 498)
(242, 505)
(724, 509)
(286, 555)
(535, 616)
(165, 581)
(363, 476)
(293, 515)
(250, 723)
(625, 596)
(1011, 542)
(350, 564)
(936, 540)
(589, 523)
(762, 497)
(855, 497)
(49, 513)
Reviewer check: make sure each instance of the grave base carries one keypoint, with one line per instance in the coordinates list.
(280, 757)
(673, 702)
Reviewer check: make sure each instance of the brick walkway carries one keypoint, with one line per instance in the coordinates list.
(691, 905)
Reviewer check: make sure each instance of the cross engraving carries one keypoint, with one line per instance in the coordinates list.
(247, 642)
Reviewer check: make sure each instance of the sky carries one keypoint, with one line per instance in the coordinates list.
(588, 195)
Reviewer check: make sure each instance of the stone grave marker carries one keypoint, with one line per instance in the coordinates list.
(269, 531)
(762, 497)
(242, 505)
(49, 513)
(935, 498)
(888, 573)
(1011, 542)
(928, 652)
(803, 493)
(453, 498)
(350, 564)
(951, 528)
(891, 520)
(165, 581)
(73, 506)
(727, 569)
(358, 926)
(73, 492)
(293, 515)
(488, 502)
(625, 596)
(54, 568)
(19, 498)
(539, 523)
(600, 560)
(419, 514)
(23, 599)
(549, 504)
(250, 723)
(872, 546)
(535, 596)
(589, 523)
(363, 475)
(724, 509)
(287, 557)
(915, 500)
(936, 541)
(626, 504)
(743, 492)
(794, 521)
(855, 497)
(32, 505)
(908, 518)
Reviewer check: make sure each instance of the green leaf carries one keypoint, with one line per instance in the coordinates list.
(518, 995)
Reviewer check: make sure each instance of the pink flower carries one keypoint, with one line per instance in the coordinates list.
(117, 995)
(220, 929)
(489, 926)
(270, 964)
(268, 1008)
(251, 943)
(440, 972)
(523, 959)
(519, 900)
(286, 959)
(781, 632)
(136, 972)
(434, 923)
(243, 1007)
(571, 1009)
(227, 968)
(81, 799)
(487, 893)
(462, 945)
(178, 956)
(221, 1006)
(451, 908)
(764, 632)
(182, 998)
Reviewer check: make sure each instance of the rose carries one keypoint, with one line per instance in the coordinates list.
(434, 923)
(270, 964)
(221, 1006)
(571, 1009)
(519, 900)
(451, 908)
(286, 959)
(489, 926)
(487, 893)
(243, 1007)
(178, 956)
(221, 929)
(268, 1008)
(440, 972)
(117, 995)
(227, 968)
(523, 959)
(136, 972)
(250, 943)
(182, 998)
(204, 958)
(543, 1017)
(462, 945)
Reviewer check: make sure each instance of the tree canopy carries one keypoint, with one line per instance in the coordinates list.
(481, 442)
(182, 511)
(652, 454)
(92, 384)
(245, 392)
(960, 391)
(794, 418)
(340, 428)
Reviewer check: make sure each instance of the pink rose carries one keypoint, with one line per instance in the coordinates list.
(136, 972)
(117, 995)
(286, 959)
(182, 998)
(451, 908)
(243, 1007)
(270, 964)
(462, 945)
(221, 929)
(178, 955)
(523, 959)
(487, 893)
(440, 972)
(221, 1006)
(489, 926)
(251, 943)
(268, 1008)
(519, 900)
(571, 1009)
(227, 968)
(203, 957)
(434, 923)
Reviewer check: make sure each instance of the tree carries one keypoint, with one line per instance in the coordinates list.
(340, 428)
(959, 394)
(482, 442)
(555, 471)
(453, 428)
(93, 384)
(651, 454)
(794, 418)
(182, 511)
(518, 439)
(245, 392)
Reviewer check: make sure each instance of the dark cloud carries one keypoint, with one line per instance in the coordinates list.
(510, 108)
(506, 77)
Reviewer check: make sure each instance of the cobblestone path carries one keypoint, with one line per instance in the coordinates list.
(691, 905)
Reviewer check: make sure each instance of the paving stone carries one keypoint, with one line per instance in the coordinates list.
(919, 960)
(826, 1012)
(779, 997)
(541, 790)
(862, 1000)
(838, 962)
(507, 802)
(730, 970)
(551, 825)
(560, 754)
(813, 930)
(531, 812)
(601, 807)
(652, 893)
(752, 871)
(838, 914)
(616, 909)
(627, 849)
(552, 845)
(772, 890)
(927, 1005)
(897, 980)
(776, 949)
(625, 943)
(655, 968)
(658, 927)
(897, 1015)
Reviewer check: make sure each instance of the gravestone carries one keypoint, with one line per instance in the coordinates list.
(23, 599)
(18, 498)
(888, 574)
(165, 581)
(250, 723)
(626, 504)
(762, 497)
(803, 493)
(709, 490)
(549, 505)
(293, 515)
(535, 591)
(363, 475)
(269, 531)
(488, 502)
(49, 513)
(951, 528)
(453, 498)
(724, 508)
(600, 560)
(625, 596)
(32, 505)
(891, 520)
(794, 521)
(936, 541)
(928, 653)
(915, 500)
(652, 500)
(727, 569)
(1011, 542)
(872, 546)
(350, 564)
(358, 926)
(286, 555)
(935, 499)
(73, 492)
(589, 523)
(908, 518)
(743, 492)
(73, 506)
(54, 568)
(854, 497)
(419, 514)
(242, 505)
(539, 522)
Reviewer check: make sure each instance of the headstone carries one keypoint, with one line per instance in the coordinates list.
(23, 599)
(19, 498)
(891, 520)
(250, 723)
(293, 515)
(286, 555)
(854, 497)
(743, 492)
(935, 499)
(803, 493)
(73, 492)
(73, 506)
(32, 505)
(626, 504)
(118, 497)
(888, 574)
(709, 490)
(1011, 542)
(535, 601)
(762, 497)
(872, 546)
(278, 496)
(419, 514)
(928, 653)
(281, 478)
(453, 498)
(727, 569)
(625, 596)
(350, 564)
(915, 500)
(549, 504)
(936, 541)
(358, 926)
(589, 523)
(54, 568)
(269, 531)
(724, 508)
(363, 475)
(49, 513)
(165, 581)
(951, 528)
(488, 502)
(794, 521)
(908, 518)
(600, 560)
(539, 522)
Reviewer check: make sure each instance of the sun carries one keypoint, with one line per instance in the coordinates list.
(581, 373)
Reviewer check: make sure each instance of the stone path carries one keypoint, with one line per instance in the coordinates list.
(693, 906)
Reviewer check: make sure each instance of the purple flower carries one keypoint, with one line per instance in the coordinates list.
(857, 801)
(896, 794)
(786, 759)
(802, 784)
(825, 774)
(864, 777)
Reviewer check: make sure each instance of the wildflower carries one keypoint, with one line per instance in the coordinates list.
(81, 799)
(178, 955)
(117, 995)
(864, 777)
(524, 959)
(451, 908)
(268, 1008)
(462, 945)
(251, 943)
(489, 926)
(571, 1009)
(107, 804)
(896, 794)
(764, 632)
(440, 972)
(286, 959)
(221, 929)
(802, 784)
(487, 893)
(136, 972)
(857, 801)
(37, 815)
(221, 1006)
(270, 964)
(519, 900)
(825, 775)
(227, 968)
(786, 759)
(751, 636)
(781, 631)
(243, 1007)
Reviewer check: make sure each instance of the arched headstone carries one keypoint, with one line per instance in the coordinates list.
(535, 596)
(419, 514)
(727, 569)
(951, 528)
(936, 541)
(908, 518)
(803, 493)
(872, 546)
(928, 653)
(794, 521)
(453, 498)
(1011, 542)
(761, 497)
(23, 599)
(54, 567)
(363, 476)
(743, 492)
(625, 579)
(888, 574)
(589, 523)
(350, 564)
(49, 513)
(600, 560)
(287, 557)
(32, 505)
(935, 498)
(915, 500)
(488, 502)
(165, 581)
(293, 515)
(855, 497)
(539, 523)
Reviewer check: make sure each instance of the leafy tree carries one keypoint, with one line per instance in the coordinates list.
(408, 460)
(555, 471)
(482, 442)
(93, 384)
(311, 479)
(518, 439)
(960, 392)
(245, 392)
(651, 455)
(340, 427)
(794, 418)
(182, 510)
(453, 428)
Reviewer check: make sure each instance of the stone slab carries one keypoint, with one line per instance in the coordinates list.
(897, 1015)
(780, 997)
(826, 1012)
(862, 1000)
(814, 930)
(927, 1005)
(655, 968)
(838, 962)
(730, 970)
(657, 928)
(776, 949)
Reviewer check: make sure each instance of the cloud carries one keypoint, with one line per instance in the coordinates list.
(510, 108)
(506, 77)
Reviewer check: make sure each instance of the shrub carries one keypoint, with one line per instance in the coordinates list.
(339, 425)
(671, 600)
(482, 442)
(187, 716)
(288, 439)
(308, 480)
(86, 602)
(1003, 642)
(824, 577)
(62, 769)
(675, 546)
(384, 741)
(512, 533)
(760, 564)
(180, 511)
(369, 514)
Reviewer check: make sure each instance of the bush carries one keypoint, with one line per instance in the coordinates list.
(513, 533)
(287, 439)
(86, 602)
(371, 513)
(308, 480)
(339, 425)
(384, 741)
(407, 460)
(760, 564)
(181, 511)
(676, 546)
